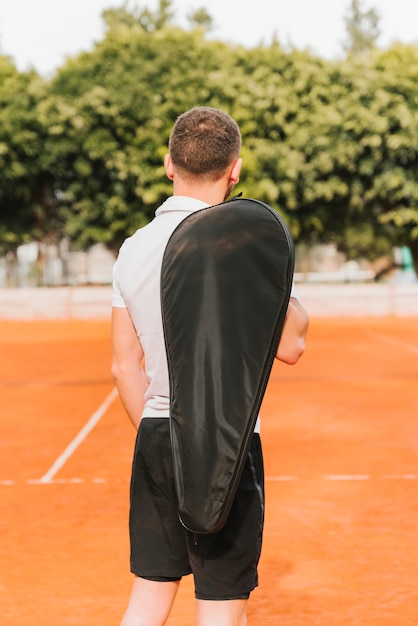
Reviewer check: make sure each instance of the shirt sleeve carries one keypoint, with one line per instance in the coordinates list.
(117, 298)
(294, 293)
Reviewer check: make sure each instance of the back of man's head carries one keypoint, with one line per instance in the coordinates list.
(204, 143)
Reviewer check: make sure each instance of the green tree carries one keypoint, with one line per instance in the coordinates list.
(200, 18)
(394, 187)
(368, 133)
(110, 114)
(125, 16)
(332, 146)
(26, 206)
(286, 111)
(362, 28)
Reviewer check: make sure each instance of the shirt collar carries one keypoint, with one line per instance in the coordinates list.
(181, 203)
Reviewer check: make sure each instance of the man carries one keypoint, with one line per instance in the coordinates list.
(204, 165)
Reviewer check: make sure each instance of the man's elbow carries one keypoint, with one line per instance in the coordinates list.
(125, 369)
(291, 354)
(117, 371)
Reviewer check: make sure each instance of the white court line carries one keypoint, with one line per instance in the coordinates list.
(72, 447)
(284, 478)
(396, 342)
(400, 477)
(341, 477)
(347, 477)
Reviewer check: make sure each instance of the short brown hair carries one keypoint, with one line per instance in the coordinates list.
(204, 142)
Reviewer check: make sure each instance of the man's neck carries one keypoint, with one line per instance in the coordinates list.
(211, 193)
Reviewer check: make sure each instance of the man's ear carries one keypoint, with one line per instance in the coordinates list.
(168, 165)
(235, 172)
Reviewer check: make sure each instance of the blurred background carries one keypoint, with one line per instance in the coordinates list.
(327, 105)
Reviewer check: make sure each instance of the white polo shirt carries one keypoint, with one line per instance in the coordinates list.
(136, 286)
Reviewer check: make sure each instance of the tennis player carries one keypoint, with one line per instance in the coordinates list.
(204, 165)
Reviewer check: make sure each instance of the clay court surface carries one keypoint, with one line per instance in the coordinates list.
(340, 432)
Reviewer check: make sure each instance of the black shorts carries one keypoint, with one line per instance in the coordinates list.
(224, 564)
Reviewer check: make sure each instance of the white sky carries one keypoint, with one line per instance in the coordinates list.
(42, 33)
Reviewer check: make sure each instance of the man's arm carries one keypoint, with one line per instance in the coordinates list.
(127, 370)
(292, 342)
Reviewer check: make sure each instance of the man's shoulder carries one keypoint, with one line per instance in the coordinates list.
(149, 240)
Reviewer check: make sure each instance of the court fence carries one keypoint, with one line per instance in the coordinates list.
(321, 300)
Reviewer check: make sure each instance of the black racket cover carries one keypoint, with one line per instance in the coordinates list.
(226, 278)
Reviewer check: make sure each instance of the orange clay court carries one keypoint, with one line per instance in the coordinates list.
(340, 432)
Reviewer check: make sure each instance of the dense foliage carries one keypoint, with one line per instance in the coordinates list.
(331, 145)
